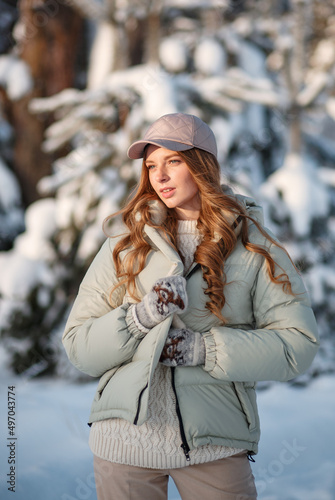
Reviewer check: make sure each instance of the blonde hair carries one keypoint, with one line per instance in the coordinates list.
(220, 214)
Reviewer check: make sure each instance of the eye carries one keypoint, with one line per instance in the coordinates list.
(150, 166)
(174, 162)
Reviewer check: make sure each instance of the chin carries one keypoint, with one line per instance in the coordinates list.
(168, 203)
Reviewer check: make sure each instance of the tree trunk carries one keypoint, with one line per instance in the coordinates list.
(153, 34)
(49, 47)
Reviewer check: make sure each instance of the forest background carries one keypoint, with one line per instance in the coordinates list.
(81, 79)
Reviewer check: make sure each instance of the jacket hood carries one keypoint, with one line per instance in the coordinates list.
(253, 209)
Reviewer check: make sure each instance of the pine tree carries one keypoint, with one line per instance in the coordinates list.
(260, 73)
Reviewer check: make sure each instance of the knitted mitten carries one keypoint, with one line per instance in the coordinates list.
(168, 296)
(183, 347)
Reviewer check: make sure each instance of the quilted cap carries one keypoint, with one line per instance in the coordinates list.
(177, 132)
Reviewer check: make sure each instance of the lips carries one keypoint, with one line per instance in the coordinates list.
(167, 192)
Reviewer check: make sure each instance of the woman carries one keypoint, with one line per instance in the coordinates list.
(180, 316)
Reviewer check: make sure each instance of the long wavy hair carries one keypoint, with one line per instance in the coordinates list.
(221, 221)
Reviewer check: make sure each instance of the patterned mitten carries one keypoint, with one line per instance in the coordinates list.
(168, 296)
(183, 347)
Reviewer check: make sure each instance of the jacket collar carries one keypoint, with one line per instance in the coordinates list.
(158, 213)
(161, 243)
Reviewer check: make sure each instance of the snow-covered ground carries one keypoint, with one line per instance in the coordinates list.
(53, 462)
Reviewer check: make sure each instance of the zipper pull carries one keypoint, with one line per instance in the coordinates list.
(186, 450)
(250, 457)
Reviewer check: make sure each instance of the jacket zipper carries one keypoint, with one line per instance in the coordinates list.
(194, 270)
(184, 445)
(139, 404)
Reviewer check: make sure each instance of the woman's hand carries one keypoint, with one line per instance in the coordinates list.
(168, 296)
(183, 347)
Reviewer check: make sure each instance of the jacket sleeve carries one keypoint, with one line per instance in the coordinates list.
(98, 337)
(284, 341)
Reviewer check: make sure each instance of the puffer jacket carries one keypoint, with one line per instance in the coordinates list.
(269, 335)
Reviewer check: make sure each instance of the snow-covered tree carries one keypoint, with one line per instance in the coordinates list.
(260, 73)
(35, 62)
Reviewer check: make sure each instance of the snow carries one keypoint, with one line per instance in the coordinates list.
(213, 90)
(320, 279)
(251, 60)
(295, 461)
(327, 175)
(210, 57)
(330, 107)
(224, 134)
(9, 188)
(15, 77)
(324, 54)
(67, 97)
(40, 218)
(305, 195)
(299, 420)
(19, 274)
(238, 84)
(97, 125)
(92, 238)
(102, 58)
(64, 212)
(26, 265)
(317, 80)
(256, 123)
(11, 211)
(40, 221)
(173, 54)
(76, 164)
(154, 85)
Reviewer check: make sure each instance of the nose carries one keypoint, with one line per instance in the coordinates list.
(161, 174)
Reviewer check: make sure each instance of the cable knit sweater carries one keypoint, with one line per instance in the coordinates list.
(156, 443)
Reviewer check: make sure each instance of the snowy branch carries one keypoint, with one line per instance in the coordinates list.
(68, 97)
(318, 81)
(75, 165)
(330, 107)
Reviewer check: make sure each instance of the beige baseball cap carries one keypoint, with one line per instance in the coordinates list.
(177, 132)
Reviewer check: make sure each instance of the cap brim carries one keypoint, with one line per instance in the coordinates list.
(136, 150)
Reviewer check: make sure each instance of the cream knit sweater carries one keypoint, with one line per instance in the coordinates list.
(156, 443)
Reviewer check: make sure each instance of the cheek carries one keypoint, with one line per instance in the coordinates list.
(192, 185)
(152, 183)
(187, 176)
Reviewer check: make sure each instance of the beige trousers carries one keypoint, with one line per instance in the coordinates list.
(226, 479)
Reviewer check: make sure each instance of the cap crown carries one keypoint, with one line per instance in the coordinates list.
(175, 131)
(179, 127)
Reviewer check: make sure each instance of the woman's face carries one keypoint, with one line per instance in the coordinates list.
(172, 181)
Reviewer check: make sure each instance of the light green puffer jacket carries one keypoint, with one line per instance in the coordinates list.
(269, 335)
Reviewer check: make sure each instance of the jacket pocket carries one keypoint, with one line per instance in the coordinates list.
(247, 398)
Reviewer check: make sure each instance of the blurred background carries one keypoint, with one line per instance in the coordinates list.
(79, 81)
